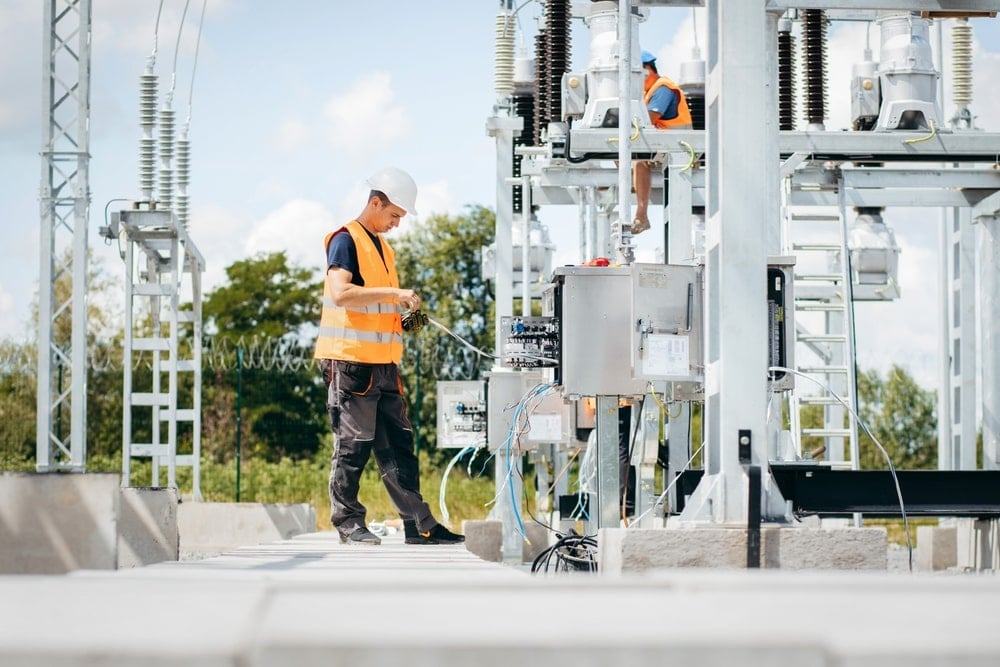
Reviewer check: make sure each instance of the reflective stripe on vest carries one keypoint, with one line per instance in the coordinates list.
(682, 121)
(370, 334)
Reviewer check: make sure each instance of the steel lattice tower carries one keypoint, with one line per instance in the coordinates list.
(64, 206)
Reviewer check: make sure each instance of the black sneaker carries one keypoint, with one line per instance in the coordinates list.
(361, 536)
(436, 535)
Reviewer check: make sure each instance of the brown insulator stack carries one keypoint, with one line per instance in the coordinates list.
(814, 26)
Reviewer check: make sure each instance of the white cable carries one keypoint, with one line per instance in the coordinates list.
(461, 340)
(864, 426)
(445, 517)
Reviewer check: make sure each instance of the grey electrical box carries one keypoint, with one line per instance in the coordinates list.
(667, 322)
(461, 413)
(594, 306)
(524, 411)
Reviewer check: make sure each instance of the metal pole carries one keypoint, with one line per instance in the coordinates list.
(624, 116)
(239, 418)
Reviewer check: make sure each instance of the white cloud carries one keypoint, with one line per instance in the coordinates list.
(9, 322)
(298, 228)
(437, 197)
(366, 119)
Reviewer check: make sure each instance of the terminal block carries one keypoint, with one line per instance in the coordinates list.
(529, 342)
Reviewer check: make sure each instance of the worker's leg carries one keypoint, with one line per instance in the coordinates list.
(642, 182)
(352, 410)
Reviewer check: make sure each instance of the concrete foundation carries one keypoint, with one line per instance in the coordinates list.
(628, 550)
(978, 542)
(538, 541)
(208, 529)
(484, 539)
(54, 523)
(147, 526)
(937, 548)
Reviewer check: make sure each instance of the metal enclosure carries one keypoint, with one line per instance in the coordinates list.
(507, 406)
(667, 322)
(461, 413)
(594, 305)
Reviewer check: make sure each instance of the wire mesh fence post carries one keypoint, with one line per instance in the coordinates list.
(239, 417)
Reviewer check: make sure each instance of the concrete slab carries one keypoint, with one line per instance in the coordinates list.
(312, 601)
(208, 529)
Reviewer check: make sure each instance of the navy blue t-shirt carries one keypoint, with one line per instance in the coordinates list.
(343, 254)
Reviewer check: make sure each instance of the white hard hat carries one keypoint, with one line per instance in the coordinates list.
(398, 186)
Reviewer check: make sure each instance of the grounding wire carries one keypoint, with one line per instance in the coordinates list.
(864, 426)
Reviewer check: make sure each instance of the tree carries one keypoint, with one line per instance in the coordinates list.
(270, 309)
(440, 259)
(901, 415)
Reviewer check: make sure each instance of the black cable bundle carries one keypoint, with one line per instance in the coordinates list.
(570, 552)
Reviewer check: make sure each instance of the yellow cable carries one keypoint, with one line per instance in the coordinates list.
(926, 138)
(635, 134)
(691, 153)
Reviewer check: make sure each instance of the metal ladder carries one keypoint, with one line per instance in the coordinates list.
(158, 253)
(824, 325)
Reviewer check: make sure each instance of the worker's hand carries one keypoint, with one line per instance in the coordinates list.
(409, 299)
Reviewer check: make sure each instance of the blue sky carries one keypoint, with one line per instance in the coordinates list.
(296, 102)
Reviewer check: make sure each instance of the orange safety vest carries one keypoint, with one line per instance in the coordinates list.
(682, 121)
(371, 334)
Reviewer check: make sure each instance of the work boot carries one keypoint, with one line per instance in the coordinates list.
(436, 535)
(362, 537)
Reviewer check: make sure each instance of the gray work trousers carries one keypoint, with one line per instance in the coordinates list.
(368, 416)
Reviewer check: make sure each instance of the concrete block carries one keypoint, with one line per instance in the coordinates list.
(624, 550)
(485, 539)
(208, 529)
(52, 523)
(147, 527)
(937, 548)
(538, 541)
(837, 549)
(978, 542)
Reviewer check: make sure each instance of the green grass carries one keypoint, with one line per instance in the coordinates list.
(305, 481)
